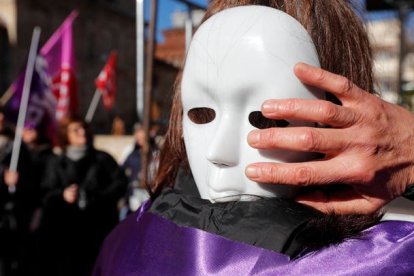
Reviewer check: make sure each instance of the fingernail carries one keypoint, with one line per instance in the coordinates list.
(302, 66)
(253, 137)
(252, 172)
(268, 107)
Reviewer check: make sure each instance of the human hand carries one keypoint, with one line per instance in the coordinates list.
(11, 178)
(369, 147)
(70, 193)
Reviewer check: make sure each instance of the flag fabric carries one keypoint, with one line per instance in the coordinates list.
(42, 103)
(106, 81)
(53, 89)
(60, 58)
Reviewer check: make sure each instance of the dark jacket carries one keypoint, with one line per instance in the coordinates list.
(17, 208)
(73, 233)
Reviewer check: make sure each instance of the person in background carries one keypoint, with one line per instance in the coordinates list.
(118, 126)
(132, 166)
(37, 141)
(6, 134)
(19, 197)
(80, 194)
(41, 153)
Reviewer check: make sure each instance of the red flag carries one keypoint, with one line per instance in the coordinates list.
(106, 82)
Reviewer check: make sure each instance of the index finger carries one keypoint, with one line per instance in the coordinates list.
(322, 79)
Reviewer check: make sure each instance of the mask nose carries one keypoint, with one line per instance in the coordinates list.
(224, 148)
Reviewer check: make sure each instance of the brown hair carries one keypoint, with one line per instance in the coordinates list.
(340, 40)
(62, 134)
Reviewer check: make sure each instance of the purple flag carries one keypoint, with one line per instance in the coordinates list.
(42, 103)
(53, 89)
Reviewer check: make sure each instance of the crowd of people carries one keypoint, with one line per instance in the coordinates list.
(62, 200)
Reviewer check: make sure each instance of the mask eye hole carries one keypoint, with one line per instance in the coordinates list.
(257, 120)
(201, 115)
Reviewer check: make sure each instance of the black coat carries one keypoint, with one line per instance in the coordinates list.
(17, 219)
(72, 233)
(19, 206)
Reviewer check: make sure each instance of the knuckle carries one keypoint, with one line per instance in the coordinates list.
(273, 173)
(303, 176)
(269, 137)
(345, 85)
(351, 118)
(270, 174)
(381, 116)
(291, 107)
(370, 143)
(320, 76)
(328, 111)
(309, 140)
(364, 173)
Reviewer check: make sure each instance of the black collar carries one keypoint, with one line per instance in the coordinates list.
(277, 224)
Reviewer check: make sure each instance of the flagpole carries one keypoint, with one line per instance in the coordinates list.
(188, 29)
(140, 57)
(93, 106)
(149, 66)
(24, 101)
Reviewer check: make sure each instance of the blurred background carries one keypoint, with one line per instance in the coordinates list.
(106, 25)
(101, 27)
(114, 62)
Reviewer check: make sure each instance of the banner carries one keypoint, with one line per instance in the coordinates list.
(60, 58)
(106, 81)
(53, 91)
(42, 103)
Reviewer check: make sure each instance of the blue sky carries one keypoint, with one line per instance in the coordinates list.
(167, 7)
(165, 10)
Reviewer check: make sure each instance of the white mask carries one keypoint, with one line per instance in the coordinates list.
(239, 58)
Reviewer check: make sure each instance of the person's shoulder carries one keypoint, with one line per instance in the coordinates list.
(100, 152)
(103, 155)
(46, 151)
(126, 229)
(385, 248)
(116, 247)
(121, 232)
(394, 230)
(126, 152)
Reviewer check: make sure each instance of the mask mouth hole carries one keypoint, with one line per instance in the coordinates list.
(240, 197)
(221, 165)
(201, 115)
(259, 121)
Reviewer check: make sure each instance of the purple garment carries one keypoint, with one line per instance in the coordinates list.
(146, 244)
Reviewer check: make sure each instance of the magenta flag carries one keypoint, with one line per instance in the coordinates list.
(53, 92)
(60, 58)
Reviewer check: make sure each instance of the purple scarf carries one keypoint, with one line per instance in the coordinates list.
(146, 244)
